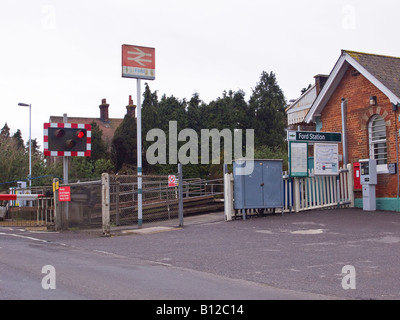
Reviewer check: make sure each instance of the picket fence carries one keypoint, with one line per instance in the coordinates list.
(319, 192)
(305, 193)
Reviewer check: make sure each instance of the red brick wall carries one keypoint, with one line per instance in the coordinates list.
(357, 90)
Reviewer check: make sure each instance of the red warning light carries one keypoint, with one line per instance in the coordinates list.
(81, 134)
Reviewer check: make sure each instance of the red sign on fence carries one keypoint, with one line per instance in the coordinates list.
(64, 194)
(171, 181)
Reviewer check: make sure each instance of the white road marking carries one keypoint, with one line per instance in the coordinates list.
(21, 236)
(31, 238)
(312, 231)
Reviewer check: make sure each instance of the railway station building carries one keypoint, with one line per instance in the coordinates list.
(365, 89)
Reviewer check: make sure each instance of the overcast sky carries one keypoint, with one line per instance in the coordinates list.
(65, 56)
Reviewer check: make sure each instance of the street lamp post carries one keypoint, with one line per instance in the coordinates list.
(30, 140)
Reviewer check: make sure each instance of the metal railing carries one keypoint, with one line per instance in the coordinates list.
(85, 208)
(33, 213)
(160, 201)
(203, 187)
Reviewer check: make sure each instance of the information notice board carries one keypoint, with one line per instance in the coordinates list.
(326, 159)
(298, 159)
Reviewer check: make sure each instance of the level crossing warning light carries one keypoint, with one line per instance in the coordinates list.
(67, 139)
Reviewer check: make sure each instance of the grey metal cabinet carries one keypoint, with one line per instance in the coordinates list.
(261, 189)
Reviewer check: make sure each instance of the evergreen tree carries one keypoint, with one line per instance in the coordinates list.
(17, 136)
(218, 114)
(81, 168)
(194, 113)
(243, 115)
(99, 148)
(172, 109)
(124, 145)
(150, 113)
(5, 131)
(13, 160)
(268, 103)
(35, 147)
(102, 166)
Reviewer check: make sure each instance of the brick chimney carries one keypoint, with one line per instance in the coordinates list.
(130, 108)
(104, 110)
(320, 80)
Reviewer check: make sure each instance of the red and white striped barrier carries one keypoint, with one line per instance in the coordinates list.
(21, 197)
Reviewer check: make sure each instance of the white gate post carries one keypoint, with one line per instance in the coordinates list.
(105, 200)
(228, 196)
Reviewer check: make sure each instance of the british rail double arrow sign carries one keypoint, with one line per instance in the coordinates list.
(138, 62)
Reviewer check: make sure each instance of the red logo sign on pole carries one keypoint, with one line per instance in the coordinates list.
(138, 62)
(64, 194)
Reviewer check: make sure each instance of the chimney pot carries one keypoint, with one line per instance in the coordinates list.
(130, 108)
(104, 110)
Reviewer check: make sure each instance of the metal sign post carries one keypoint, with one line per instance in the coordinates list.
(139, 63)
(180, 187)
(139, 154)
(66, 176)
(65, 159)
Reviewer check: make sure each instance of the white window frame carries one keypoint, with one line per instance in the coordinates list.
(373, 141)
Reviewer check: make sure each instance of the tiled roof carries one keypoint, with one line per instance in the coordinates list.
(382, 71)
(386, 69)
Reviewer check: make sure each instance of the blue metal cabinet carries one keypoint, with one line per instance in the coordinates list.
(261, 189)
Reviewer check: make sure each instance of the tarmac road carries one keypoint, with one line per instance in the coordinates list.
(81, 273)
(295, 256)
